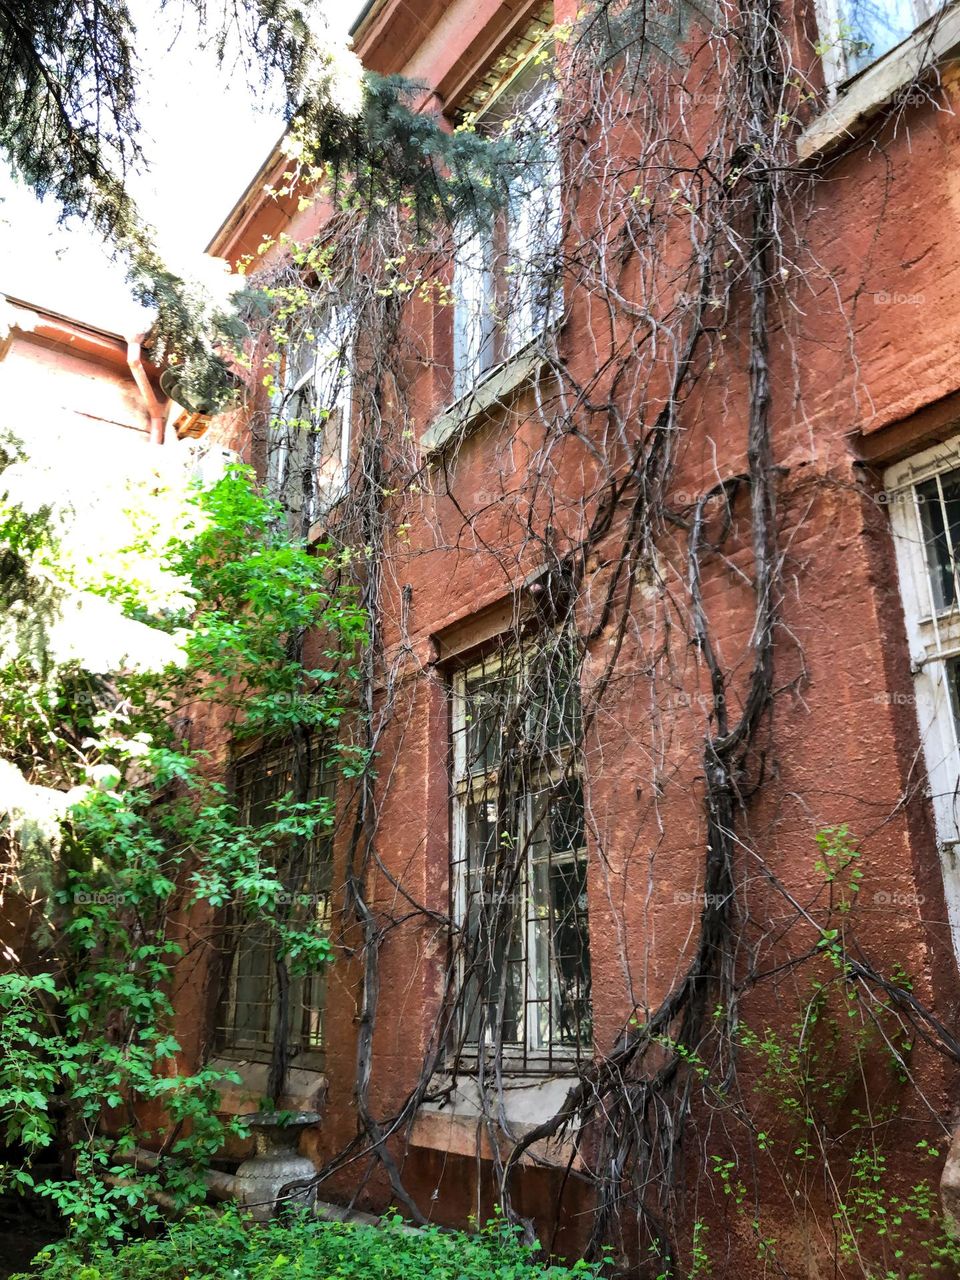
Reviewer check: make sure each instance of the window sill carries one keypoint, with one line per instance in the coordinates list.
(935, 41)
(306, 1085)
(496, 386)
(457, 1125)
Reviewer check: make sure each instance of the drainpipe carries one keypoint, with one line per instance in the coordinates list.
(145, 387)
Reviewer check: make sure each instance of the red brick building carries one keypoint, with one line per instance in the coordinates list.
(657, 481)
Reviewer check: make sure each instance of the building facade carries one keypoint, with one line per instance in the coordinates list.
(91, 380)
(651, 477)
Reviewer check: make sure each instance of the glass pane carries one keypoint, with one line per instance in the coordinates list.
(938, 519)
(253, 974)
(308, 437)
(305, 869)
(871, 28)
(534, 218)
(506, 987)
(489, 705)
(571, 951)
(567, 833)
(555, 720)
(494, 951)
(332, 407)
(558, 919)
(952, 672)
(474, 296)
(541, 961)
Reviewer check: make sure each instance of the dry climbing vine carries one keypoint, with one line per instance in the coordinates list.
(682, 253)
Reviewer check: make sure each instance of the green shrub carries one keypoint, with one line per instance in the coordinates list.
(231, 1248)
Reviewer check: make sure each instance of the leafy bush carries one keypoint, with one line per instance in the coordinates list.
(229, 1247)
(140, 829)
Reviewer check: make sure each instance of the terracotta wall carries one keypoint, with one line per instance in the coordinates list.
(60, 376)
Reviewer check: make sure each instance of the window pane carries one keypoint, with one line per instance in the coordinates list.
(940, 520)
(522, 857)
(308, 438)
(489, 707)
(494, 951)
(248, 1017)
(568, 901)
(566, 818)
(534, 219)
(554, 722)
(871, 28)
(558, 918)
(331, 412)
(253, 978)
(952, 671)
(473, 315)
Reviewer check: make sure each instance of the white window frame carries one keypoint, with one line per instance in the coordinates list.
(485, 270)
(535, 1053)
(933, 635)
(831, 20)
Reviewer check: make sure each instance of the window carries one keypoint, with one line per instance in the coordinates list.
(858, 32)
(519, 857)
(308, 445)
(248, 1010)
(506, 280)
(924, 497)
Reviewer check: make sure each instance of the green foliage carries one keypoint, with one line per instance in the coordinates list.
(839, 864)
(305, 1249)
(150, 833)
(69, 128)
(827, 1122)
(391, 156)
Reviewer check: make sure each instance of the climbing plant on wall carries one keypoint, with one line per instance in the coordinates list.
(682, 240)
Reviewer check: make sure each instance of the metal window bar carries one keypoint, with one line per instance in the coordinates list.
(519, 866)
(247, 1012)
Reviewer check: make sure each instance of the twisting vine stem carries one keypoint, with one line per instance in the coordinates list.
(677, 235)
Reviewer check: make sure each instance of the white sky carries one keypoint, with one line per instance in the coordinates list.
(205, 134)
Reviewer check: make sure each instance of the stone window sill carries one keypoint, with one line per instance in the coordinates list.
(306, 1085)
(457, 1125)
(935, 41)
(494, 388)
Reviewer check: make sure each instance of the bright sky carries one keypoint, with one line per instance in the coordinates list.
(205, 133)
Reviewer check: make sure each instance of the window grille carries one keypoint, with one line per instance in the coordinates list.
(247, 1016)
(520, 859)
